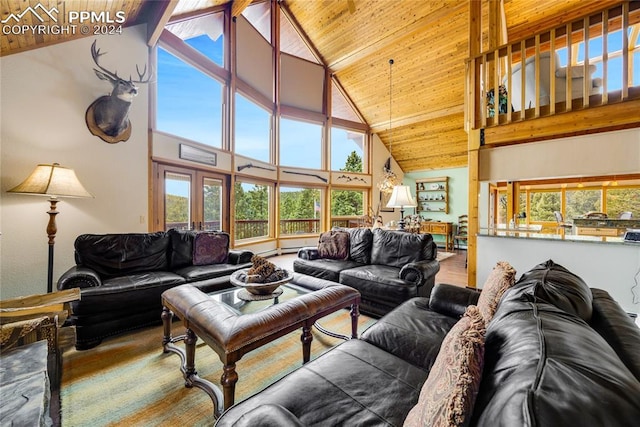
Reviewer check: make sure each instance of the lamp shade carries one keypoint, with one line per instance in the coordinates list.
(401, 197)
(52, 180)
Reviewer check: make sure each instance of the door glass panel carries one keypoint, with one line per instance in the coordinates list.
(177, 200)
(212, 206)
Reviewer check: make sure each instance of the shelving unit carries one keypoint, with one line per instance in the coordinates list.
(433, 194)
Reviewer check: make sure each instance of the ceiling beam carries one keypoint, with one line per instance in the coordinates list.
(238, 6)
(159, 14)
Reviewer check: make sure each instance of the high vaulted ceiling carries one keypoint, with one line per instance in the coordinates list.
(427, 39)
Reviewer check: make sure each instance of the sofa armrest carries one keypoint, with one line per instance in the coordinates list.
(79, 277)
(308, 253)
(237, 257)
(419, 272)
(452, 300)
(266, 415)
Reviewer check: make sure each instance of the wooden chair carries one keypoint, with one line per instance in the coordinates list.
(462, 231)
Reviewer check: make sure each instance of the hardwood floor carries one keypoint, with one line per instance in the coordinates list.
(452, 270)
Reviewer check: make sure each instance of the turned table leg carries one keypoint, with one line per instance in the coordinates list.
(190, 357)
(228, 380)
(166, 316)
(306, 338)
(355, 313)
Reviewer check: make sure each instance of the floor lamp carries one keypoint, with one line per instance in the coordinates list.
(53, 181)
(401, 198)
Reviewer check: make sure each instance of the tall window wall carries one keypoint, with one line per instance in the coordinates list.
(208, 104)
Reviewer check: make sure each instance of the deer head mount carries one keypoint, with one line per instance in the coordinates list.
(108, 116)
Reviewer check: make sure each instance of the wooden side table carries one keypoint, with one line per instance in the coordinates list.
(439, 228)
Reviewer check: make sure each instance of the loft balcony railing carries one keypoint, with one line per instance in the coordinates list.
(590, 62)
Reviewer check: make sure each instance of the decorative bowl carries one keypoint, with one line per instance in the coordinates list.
(241, 279)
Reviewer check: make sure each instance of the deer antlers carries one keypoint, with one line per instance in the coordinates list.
(96, 54)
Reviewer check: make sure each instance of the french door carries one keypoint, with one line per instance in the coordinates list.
(190, 199)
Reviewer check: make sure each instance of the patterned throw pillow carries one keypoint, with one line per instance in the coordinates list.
(501, 278)
(210, 248)
(334, 245)
(449, 393)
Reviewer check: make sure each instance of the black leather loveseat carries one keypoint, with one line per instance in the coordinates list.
(122, 276)
(556, 353)
(387, 267)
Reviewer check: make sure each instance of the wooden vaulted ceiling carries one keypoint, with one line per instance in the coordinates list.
(427, 39)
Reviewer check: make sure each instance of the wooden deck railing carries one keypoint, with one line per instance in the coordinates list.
(533, 84)
(247, 229)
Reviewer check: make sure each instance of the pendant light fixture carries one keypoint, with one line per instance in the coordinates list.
(389, 179)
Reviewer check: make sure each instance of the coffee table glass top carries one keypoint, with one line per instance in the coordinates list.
(229, 297)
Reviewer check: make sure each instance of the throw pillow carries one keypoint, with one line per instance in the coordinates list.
(449, 393)
(210, 248)
(334, 245)
(501, 278)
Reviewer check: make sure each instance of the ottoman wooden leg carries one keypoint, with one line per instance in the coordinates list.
(228, 380)
(306, 338)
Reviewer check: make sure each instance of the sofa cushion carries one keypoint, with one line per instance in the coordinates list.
(334, 245)
(552, 283)
(501, 278)
(345, 386)
(181, 247)
(327, 269)
(448, 395)
(121, 254)
(360, 240)
(210, 248)
(412, 331)
(547, 367)
(195, 273)
(379, 283)
(397, 248)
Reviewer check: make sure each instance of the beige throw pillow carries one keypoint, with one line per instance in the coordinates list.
(449, 393)
(501, 278)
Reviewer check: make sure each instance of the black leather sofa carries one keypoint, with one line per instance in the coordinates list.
(387, 267)
(555, 354)
(122, 277)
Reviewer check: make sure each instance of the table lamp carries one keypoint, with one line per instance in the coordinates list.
(53, 181)
(400, 198)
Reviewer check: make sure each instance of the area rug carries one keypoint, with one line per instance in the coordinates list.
(442, 255)
(127, 380)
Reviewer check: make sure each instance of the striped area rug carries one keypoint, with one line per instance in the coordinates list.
(128, 381)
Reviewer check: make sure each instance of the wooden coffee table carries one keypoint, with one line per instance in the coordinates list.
(233, 327)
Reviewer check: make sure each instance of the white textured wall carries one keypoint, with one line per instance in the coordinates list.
(614, 267)
(44, 95)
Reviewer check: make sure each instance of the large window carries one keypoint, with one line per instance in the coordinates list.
(253, 129)
(189, 102)
(347, 150)
(579, 202)
(300, 144)
(621, 199)
(347, 206)
(252, 213)
(300, 210)
(542, 205)
(204, 33)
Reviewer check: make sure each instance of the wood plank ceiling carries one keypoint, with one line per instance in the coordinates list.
(427, 39)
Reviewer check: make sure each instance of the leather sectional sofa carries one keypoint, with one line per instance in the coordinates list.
(387, 267)
(555, 353)
(122, 276)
